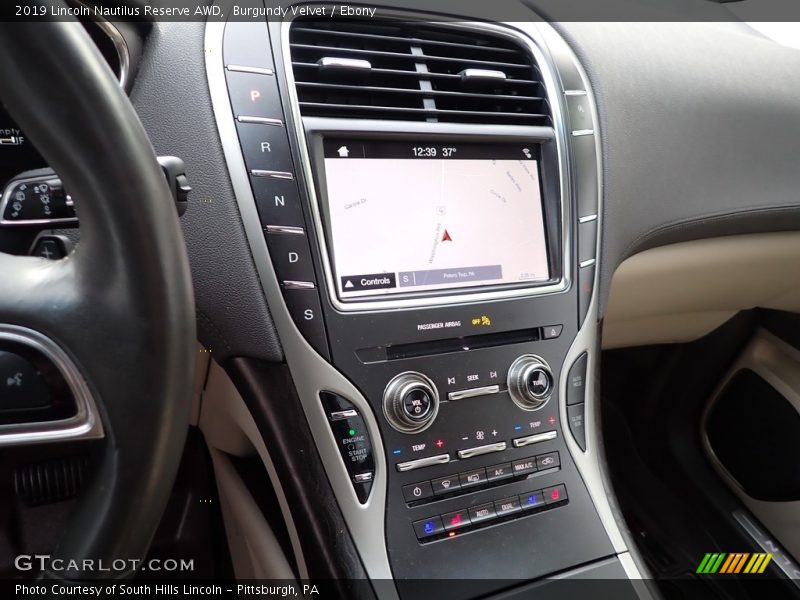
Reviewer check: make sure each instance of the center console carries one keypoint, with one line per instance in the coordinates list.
(422, 203)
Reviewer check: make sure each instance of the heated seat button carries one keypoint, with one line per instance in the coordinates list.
(547, 461)
(21, 385)
(254, 95)
(484, 512)
(428, 527)
(265, 146)
(557, 493)
(531, 500)
(278, 201)
(474, 477)
(456, 520)
(290, 255)
(575, 416)
(305, 308)
(507, 506)
(497, 472)
(417, 491)
(445, 485)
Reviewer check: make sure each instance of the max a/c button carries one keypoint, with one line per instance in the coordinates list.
(522, 467)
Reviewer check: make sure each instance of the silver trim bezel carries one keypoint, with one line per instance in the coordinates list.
(312, 373)
(85, 424)
(301, 127)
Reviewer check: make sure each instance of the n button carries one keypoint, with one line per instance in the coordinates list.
(278, 201)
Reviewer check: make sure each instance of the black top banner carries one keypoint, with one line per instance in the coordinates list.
(441, 10)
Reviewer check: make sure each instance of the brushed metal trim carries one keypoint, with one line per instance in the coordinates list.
(420, 463)
(535, 439)
(473, 392)
(85, 424)
(246, 69)
(481, 450)
(259, 120)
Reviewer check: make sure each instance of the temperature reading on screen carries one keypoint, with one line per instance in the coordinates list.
(448, 152)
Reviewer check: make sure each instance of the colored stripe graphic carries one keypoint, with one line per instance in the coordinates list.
(734, 563)
(726, 565)
(764, 564)
(740, 564)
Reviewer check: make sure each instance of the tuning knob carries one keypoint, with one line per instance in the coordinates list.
(410, 402)
(530, 382)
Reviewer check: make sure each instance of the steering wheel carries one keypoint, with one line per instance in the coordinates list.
(121, 305)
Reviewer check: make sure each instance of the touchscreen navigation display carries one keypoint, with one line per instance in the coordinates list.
(412, 217)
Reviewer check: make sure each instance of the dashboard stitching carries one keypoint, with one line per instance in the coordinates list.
(709, 218)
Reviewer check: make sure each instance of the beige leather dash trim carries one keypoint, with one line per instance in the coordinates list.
(680, 292)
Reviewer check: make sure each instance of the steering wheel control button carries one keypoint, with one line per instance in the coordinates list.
(410, 402)
(417, 491)
(417, 404)
(246, 43)
(428, 527)
(51, 247)
(555, 494)
(530, 382)
(291, 256)
(472, 478)
(551, 332)
(535, 439)
(484, 512)
(36, 201)
(254, 95)
(481, 450)
(507, 506)
(446, 485)
(547, 461)
(21, 385)
(420, 463)
(456, 519)
(264, 144)
(575, 417)
(499, 472)
(306, 311)
(278, 201)
(524, 466)
(531, 500)
(576, 380)
(353, 442)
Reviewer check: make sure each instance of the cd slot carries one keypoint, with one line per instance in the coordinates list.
(447, 346)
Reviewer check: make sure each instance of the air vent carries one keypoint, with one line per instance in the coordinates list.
(414, 72)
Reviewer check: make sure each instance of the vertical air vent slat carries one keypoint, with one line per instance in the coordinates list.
(415, 71)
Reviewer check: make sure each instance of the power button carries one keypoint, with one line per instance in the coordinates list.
(417, 491)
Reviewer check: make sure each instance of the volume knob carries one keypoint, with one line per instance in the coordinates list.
(530, 382)
(410, 402)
